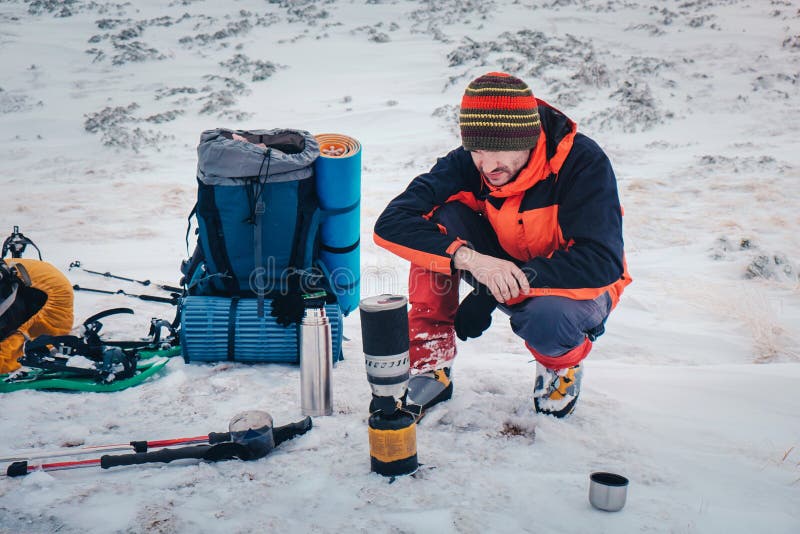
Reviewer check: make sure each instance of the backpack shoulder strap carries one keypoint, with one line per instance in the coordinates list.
(189, 225)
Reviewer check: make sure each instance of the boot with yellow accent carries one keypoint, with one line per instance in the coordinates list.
(425, 390)
(556, 390)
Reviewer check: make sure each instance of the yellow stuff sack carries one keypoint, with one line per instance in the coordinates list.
(37, 299)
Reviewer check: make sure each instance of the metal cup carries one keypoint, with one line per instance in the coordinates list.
(608, 491)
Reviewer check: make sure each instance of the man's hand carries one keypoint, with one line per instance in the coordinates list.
(504, 279)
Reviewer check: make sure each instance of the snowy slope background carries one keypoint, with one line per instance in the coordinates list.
(693, 391)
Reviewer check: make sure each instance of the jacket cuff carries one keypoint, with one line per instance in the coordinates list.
(451, 250)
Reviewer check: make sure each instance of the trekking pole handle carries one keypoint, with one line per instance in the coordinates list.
(17, 469)
(164, 456)
(76, 287)
(109, 275)
(153, 298)
(171, 289)
(291, 430)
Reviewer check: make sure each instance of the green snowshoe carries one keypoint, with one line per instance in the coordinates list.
(34, 378)
(89, 363)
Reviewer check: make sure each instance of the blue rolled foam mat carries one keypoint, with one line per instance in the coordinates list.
(207, 328)
(338, 182)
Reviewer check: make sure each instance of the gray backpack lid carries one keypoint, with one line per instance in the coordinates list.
(225, 161)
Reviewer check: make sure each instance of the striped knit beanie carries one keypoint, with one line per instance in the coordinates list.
(499, 112)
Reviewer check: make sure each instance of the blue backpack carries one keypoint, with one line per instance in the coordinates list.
(257, 212)
(258, 220)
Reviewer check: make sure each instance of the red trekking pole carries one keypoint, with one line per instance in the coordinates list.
(251, 436)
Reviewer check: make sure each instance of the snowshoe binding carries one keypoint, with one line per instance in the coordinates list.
(88, 363)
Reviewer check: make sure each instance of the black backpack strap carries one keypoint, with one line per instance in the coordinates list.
(259, 209)
(207, 209)
(18, 300)
(307, 217)
(337, 285)
(189, 267)
(22, 273)
(189, 225)
(232, 328)
(341, 250)
(337, 211)
(9, 301)
(258, 248)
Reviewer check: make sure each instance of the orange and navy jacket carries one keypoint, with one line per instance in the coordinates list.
(560, 218)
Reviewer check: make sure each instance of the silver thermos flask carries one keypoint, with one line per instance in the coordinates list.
(316, 362)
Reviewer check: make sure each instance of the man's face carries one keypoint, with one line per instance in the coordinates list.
(499, 168)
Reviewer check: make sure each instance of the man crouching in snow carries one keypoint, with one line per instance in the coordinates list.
(527, 212)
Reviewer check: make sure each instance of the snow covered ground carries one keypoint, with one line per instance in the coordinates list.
(693, 391)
